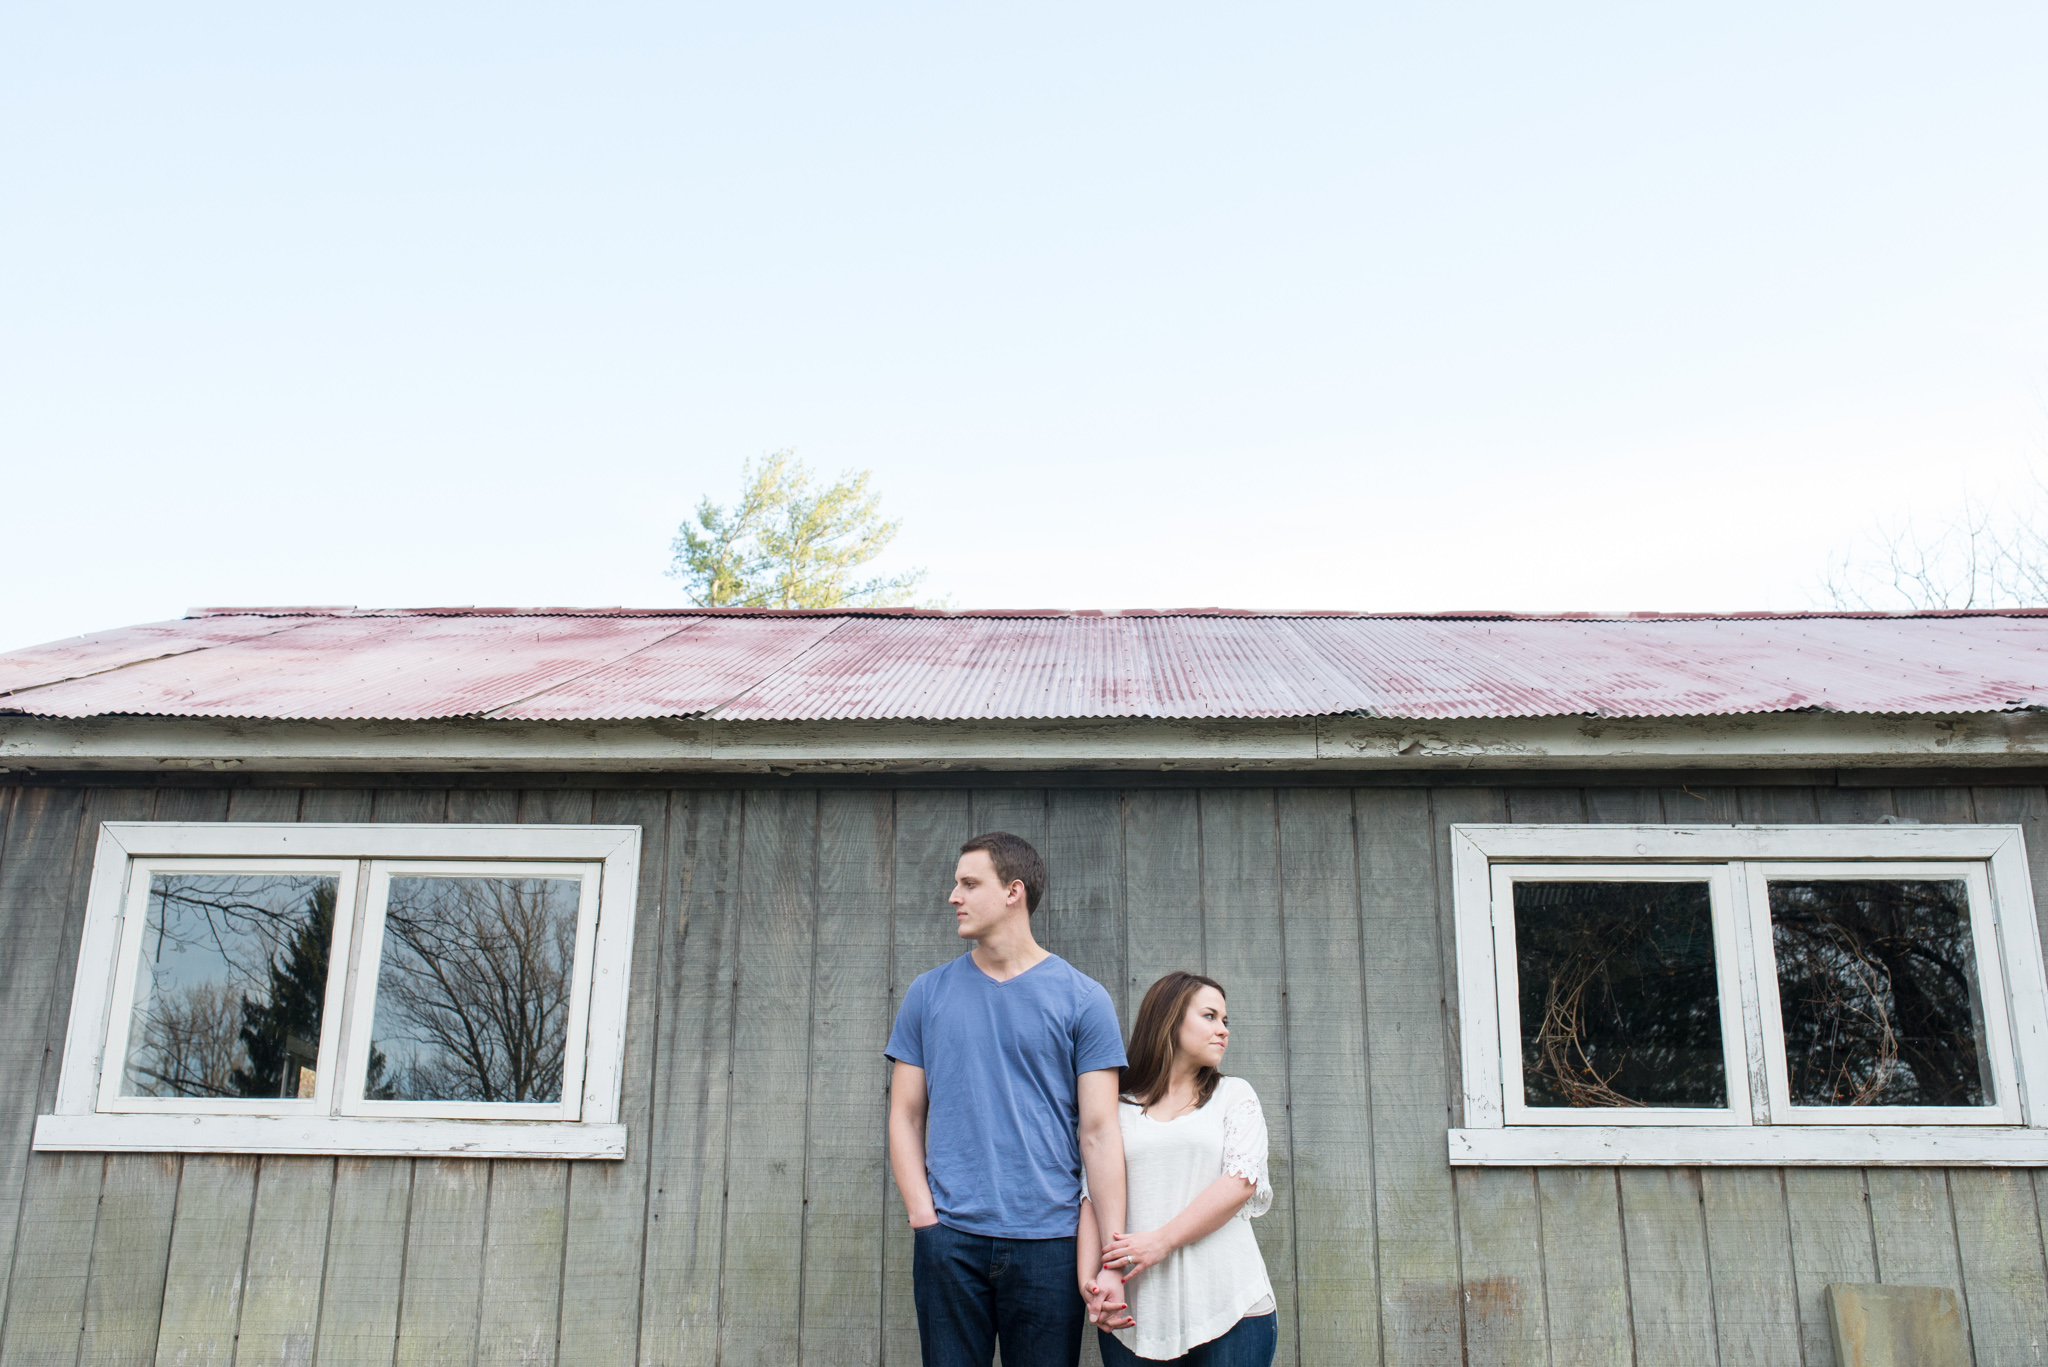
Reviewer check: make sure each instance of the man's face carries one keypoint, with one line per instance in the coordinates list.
(980, 900)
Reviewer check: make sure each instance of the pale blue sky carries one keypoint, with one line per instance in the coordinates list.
(1126, 305)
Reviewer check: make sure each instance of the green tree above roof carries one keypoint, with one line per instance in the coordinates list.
(790, 542)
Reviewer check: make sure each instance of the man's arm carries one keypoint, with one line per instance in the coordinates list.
(1102, 1155)
(908, 1104)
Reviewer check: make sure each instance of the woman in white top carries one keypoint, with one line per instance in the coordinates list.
(1195, 1177)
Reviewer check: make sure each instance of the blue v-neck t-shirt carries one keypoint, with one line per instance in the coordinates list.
(1001, 1063)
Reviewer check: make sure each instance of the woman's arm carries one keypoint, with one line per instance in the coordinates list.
(1208, 1212)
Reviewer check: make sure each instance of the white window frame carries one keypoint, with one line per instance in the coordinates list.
(90, 1115)
(1760, 1126)
(1516, 1110)
(363, 997)
(134, 925)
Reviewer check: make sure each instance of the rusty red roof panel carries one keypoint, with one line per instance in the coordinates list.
(580, 664)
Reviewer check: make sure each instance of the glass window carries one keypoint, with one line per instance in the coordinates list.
(474, 989)
(231, 986)
(1620, 1003)
(1878, 992)
(1750, 995)
(371, 989)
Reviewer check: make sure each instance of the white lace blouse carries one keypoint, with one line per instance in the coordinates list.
(1199, 1291)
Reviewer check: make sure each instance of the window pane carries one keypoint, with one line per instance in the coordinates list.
(1877, 985)
(473, 992)
(1619, 1002)
(233, 979)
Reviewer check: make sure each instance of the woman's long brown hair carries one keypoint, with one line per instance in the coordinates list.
(1157, 1034)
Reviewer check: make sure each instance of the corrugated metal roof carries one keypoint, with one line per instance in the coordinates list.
(585, 664)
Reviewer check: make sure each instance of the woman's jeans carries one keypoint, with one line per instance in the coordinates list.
(1249, 1343)
(972, 1289)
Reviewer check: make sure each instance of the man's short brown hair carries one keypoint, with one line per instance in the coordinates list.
(1016, 862)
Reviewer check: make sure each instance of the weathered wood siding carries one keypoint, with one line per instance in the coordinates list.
(753, 1219)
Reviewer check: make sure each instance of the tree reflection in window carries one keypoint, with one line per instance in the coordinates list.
(229, 995)
(1877, 988)
(1620, 1005)
(473, 990)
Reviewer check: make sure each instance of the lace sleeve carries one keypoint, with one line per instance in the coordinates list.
(1244, 1150)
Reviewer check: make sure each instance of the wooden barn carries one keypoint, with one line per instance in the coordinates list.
(509, 986)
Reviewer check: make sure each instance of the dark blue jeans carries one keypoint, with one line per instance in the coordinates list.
(973, 1290)
(1249, 1343)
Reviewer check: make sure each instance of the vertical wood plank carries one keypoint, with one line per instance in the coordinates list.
(1083, 917)
(438, 1298)
(1853, 806)
(138, 1193)
(520, 1298)
(1500, 1220)
(1912, 1215)
(410, 804)
(483, 806)
(1999, 1232)
(689, 1127)
(605, 1259)
(66, 911)
(444, 1255)
(337, 804)
(1240, 862)
(929, 829)
(760, 1311)
(53, 1258)
(192, 804)
(1020, 811)
(1585, 1277)
(1671, 1295)
(1934, 806)
(553, 806)
(1545, 806)
(1826, 1209)
(1501, 1304)
(124, 1297)
(287, 1259)
(1915, 1228)
(1501, 1235)
(1749, 1248)
(1772, 806)
(363, 1277)
(1162, 892)
(39, 898)
(1083, 920)
(1162, 898)
(1413, 1058)
(366, 1262)
(202, 1301)
(518, 1309)
(2027, 808)
(1337, 1305)
(847, 1149)
(1693, 805)
(1831, 1242)
(1625, 806)
(204, 1281)
(263, 804)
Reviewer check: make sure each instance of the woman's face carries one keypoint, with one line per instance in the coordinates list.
(1205, 1029)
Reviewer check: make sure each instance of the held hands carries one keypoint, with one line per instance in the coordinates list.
(1130, 1254)
(1107, 1307)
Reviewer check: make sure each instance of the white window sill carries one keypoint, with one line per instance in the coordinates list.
(348, 1135)
(1751, 1146)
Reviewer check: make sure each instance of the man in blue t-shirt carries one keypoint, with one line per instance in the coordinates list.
(1005, 1089)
